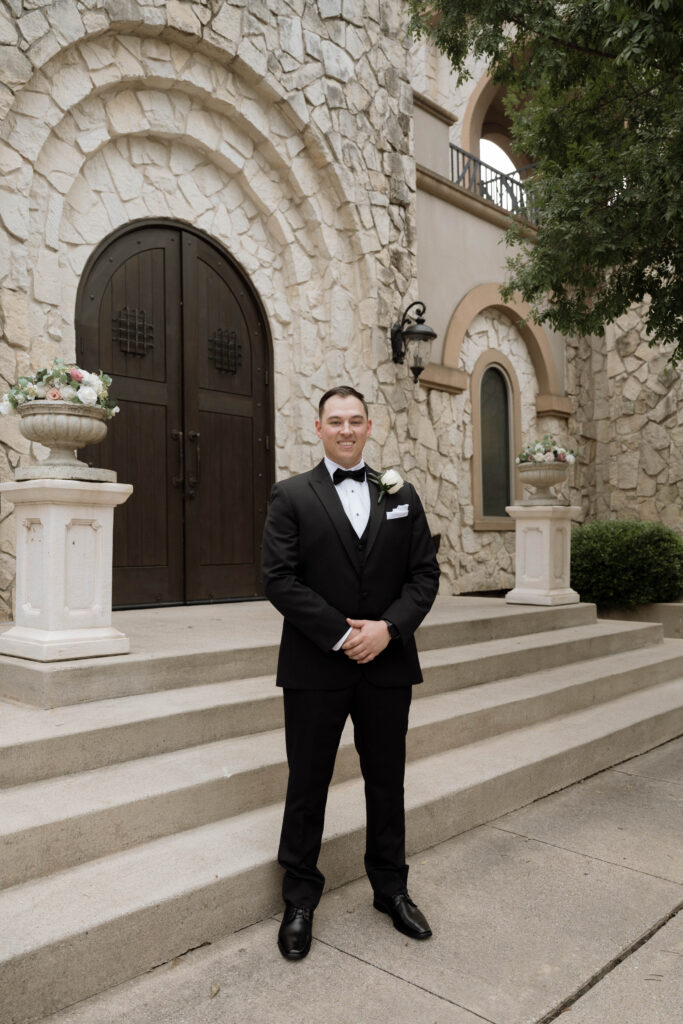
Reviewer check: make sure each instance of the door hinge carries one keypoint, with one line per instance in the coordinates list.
(267, 442)
(266, 377)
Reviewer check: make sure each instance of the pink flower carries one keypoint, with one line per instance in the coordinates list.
(75, 373)
(54, 395)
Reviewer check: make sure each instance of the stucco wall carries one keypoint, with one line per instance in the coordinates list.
(432, 75)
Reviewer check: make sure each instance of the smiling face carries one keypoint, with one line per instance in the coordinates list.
(343, 430)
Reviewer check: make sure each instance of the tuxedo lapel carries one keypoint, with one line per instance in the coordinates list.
(321, 482)
(376, 511)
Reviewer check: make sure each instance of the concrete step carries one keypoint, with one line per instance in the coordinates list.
(471, 664)
(180, 647)
(56, 823)
(482, 619)
(38, 744)
(85, 929)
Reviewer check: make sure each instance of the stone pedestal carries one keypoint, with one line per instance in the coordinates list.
(542, 557)
(64, 569)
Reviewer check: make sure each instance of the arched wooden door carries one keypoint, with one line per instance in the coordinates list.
(181, 331)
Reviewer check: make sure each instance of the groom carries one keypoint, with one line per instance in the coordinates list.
(353, 570)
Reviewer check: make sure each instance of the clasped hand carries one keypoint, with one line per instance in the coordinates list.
(367, 639)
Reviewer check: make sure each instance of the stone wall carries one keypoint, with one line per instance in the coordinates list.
(283, 129)
(629, 424)
(471, 560)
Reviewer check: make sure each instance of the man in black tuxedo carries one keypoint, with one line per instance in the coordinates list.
(353, 576)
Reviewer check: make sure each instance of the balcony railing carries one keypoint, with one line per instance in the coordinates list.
(505, 190)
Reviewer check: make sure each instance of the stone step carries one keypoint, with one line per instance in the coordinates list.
(483, 619)
(471, 664)
(177, 648)
(90, 927)
(38, 744)
(56, 823)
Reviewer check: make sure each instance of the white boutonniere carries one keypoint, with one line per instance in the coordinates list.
(389, 482)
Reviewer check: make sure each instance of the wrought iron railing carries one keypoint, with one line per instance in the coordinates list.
(504, 190)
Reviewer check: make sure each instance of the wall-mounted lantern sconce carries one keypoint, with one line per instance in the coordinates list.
(406, 337)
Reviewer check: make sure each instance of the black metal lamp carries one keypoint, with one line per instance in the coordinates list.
(411, 329)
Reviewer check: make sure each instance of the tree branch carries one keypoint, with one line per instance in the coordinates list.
(564, 44)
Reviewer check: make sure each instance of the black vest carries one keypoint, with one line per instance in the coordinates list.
(359, 543)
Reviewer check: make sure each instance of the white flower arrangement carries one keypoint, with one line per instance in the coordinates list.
(389, 482)
(62, 382)
(545, 450)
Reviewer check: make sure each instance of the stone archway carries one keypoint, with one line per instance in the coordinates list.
(448, 376)
(137, 114)
(178, 325)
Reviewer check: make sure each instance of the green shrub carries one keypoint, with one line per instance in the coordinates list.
(624, 563)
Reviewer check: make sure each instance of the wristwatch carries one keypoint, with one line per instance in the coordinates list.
(393, 631)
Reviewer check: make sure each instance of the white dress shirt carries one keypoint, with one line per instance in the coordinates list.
(354, 496)
(355, 499)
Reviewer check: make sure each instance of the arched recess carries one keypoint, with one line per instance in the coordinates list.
(173, 318)
(448, 376)
(184, 98)
(487, 360)
(485, 118)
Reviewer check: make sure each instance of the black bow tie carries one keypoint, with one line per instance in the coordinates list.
(349, 474)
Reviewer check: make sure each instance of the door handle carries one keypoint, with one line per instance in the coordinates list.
(179, 480)
(194, 481)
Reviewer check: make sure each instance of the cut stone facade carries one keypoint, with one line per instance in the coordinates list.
(471, 559)
(628, 421)
(281, 129)
(284, 130)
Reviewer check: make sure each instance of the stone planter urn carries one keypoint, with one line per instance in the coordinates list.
(542, 476)
(63, 428)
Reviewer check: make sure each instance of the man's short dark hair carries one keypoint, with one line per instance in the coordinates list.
(342, 391)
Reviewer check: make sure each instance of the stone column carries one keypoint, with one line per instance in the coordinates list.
(64, 569)
(542, 556)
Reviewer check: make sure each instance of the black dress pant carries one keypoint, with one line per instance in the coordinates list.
(314, 720)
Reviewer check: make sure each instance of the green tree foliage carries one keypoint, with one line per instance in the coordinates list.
(595, 94)
(624, 563)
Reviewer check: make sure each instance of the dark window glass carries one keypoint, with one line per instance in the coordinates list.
(495, 443)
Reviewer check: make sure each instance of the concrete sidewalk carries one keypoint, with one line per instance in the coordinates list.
(568, 909)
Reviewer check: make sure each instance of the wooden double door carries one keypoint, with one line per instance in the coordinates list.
(179, 328)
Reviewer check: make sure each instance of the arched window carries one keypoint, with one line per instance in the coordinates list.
(496, 437)
(495, 443)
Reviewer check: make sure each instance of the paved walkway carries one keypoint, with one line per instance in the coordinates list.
(569, 909)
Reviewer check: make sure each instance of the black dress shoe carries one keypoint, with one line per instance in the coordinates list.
(407, 918)
(294, 937)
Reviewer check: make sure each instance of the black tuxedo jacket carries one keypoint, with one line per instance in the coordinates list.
(316, 572)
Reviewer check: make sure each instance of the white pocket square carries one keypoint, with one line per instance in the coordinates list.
(398, 513)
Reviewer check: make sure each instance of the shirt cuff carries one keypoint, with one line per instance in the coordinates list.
(338, 645)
